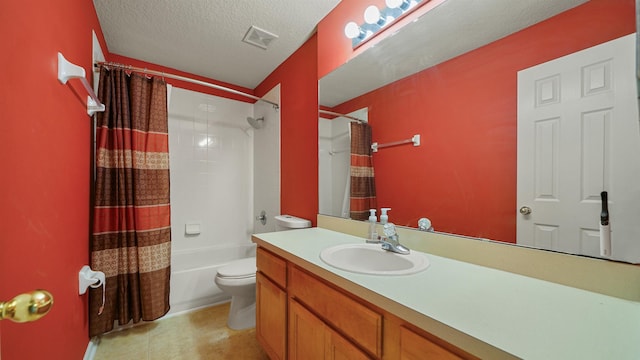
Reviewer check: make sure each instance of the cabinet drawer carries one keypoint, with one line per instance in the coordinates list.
(272, 266)
(353, 319)
(416, 347)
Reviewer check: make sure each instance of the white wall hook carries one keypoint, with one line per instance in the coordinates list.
(88, 277)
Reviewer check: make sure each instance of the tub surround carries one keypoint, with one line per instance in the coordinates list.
(484, 311)
(211, 171)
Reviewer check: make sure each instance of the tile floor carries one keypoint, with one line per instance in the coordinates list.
(202, 334)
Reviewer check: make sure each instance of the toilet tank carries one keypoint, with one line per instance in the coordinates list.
(288, 222)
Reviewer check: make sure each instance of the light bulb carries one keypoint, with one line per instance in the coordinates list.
(403, 4)
(393, 3)
(352, 30)
(372, 15)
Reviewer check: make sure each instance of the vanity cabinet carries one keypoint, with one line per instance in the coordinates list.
(302, 316)
(311, 339)
(271, 304)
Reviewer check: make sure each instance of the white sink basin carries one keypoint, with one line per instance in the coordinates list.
(371, 259)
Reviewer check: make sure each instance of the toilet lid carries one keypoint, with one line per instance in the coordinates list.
(239, 268)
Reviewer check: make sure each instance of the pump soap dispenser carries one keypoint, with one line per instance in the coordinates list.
(384, 218)
(373, 235)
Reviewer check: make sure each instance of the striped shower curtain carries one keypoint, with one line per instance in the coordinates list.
(363, 187)
(131, 238)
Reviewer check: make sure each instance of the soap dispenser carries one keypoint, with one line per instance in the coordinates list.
(384, 218)
(373, 235)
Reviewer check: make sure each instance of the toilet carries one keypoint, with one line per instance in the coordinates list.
(288, 222)
(238, 279)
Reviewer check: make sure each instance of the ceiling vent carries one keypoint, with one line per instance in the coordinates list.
(258, 37)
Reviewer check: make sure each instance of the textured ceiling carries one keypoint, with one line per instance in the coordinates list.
(204, 37)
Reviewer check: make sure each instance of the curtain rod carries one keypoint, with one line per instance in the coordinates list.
(341, 115)
(182, 78)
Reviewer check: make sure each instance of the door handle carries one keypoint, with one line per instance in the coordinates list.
(27, 307)
(525, 210)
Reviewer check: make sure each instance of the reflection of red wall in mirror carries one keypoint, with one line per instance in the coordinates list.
(468, 185)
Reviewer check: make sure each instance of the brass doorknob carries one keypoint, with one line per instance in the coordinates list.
(525, 210)
(27, 307)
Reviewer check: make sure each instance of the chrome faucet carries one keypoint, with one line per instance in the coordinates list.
(390, 240)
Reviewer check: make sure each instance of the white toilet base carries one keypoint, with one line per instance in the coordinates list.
(242, 314)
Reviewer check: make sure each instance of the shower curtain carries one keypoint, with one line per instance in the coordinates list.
(131, 237)
(363, 187)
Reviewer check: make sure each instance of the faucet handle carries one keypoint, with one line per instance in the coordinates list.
(424, 224)
(389, 229)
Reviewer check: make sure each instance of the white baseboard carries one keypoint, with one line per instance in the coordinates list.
(92, 347)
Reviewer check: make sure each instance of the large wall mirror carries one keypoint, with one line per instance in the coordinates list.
(457, 76)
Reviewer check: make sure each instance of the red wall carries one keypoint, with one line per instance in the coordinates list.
(45, 144)
(298, 81)
(463, 176)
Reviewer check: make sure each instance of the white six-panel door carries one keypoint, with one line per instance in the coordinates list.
(578, 135)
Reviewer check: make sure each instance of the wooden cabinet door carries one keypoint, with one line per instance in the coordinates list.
(311, 339)
(416, 347)
(306, 334)
(271, 317)
(339, 348)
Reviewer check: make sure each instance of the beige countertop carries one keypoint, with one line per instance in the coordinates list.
(482, 310)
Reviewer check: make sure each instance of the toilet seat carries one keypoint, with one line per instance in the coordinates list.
(239, 269)
(233, 285)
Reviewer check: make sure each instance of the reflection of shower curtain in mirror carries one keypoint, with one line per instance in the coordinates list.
(363, 187)
(131, 241)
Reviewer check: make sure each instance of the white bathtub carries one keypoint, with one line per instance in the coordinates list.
(193, 272)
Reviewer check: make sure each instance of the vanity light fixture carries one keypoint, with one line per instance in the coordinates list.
(376, 19)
